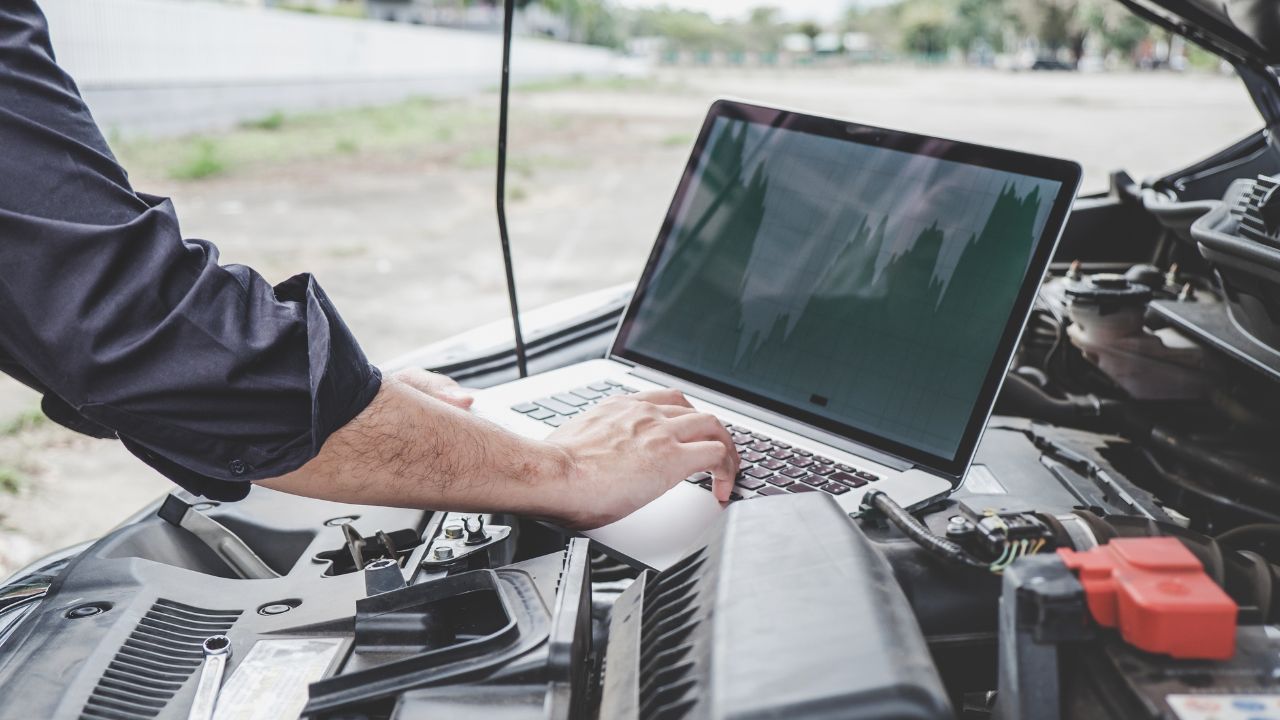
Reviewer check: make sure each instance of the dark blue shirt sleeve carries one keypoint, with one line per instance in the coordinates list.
(206, 372)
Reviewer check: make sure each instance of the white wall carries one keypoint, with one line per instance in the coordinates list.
(169, 66)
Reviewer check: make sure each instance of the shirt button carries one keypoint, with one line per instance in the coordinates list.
(238, 467)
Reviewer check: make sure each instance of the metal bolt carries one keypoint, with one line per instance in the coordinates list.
(453, 531)
(275, 609)
(442, 552)
(84, 611)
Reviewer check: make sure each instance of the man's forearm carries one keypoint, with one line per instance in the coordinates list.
(409, 449)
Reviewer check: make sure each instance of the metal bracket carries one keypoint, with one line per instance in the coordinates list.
(460, 535)
(224, 543)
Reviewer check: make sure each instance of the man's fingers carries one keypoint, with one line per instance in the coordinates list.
(690, 426)
(662, 397)
(712, 455)
(701, 426)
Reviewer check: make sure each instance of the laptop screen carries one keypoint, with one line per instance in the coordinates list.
(859, 279)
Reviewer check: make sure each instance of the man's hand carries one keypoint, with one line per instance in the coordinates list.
(416, 446)
(630, 449)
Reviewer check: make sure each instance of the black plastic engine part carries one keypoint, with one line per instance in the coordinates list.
(1042, 606)
(788, 611)
(1244, 246)
(470, 627)
(994, 521)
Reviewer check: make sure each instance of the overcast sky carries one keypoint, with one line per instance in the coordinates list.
(822, 10)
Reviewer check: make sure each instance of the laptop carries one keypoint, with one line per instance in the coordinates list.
(845, 298)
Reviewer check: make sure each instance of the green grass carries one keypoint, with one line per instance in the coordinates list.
(605, 83)
(677, 140)
(274, 121)
(281, 138)
(28, 420)
(203, 159)
(12, 481)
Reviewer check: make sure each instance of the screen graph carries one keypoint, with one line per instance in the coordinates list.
(863, 284)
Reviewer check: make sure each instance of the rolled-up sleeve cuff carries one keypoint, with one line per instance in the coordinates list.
(341, 384)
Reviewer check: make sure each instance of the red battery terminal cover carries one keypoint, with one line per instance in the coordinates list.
(1159, 596)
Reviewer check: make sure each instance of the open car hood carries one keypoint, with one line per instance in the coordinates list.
(1244, 32)
(1241, 30)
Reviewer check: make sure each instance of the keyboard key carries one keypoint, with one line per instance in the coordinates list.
(600, 387)
(757, 472)
(794, 473)
(800, 462)
(540, 413)
(781, 481)
(822, 460)
(813, 480)
(848, 479)
(750, 483)
(557, 406)
(772, 464)
(761, 438)
(800, 489)
(556, 421)
(613, 383)
(570, 399)
(781, 445)
(586, 393)
(780, 454)
(867, 476)
(613, 391)
(836, 488)
(802, 453)
(734, 496)
(698, 477)
(750, 456)
(760, 447)
(842, 466)
(766, 490)
(742, 439)
(821, 469)
(627, 390)
(524, 407)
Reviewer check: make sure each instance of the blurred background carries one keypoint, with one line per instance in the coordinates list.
(355, 139)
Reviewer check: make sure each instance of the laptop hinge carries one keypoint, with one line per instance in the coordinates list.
(782, 421)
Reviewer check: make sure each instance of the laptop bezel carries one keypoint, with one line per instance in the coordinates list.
(1065, 172)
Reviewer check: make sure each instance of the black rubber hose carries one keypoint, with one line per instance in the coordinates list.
(918, 533)
(1021, 397)
(1242, 474)
(1235, 536)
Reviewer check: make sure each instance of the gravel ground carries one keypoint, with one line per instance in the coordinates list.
(405, 240)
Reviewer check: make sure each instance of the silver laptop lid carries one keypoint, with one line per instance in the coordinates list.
(867, 282)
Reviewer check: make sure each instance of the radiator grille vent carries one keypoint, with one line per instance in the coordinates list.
(1256, 211)
(158, 657)
(668, 687)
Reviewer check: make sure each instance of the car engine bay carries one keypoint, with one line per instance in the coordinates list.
(1142, 406)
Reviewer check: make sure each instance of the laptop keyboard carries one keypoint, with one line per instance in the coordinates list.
(769, 467)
